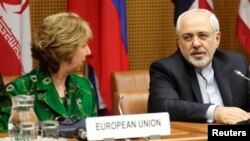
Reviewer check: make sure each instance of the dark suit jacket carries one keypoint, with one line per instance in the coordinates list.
(174, 87)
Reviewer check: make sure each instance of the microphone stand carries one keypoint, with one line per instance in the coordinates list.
(121, 113)
(120, 104)
(120, 109)
(243, 122)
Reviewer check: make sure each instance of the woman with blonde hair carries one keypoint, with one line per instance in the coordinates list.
(60, 47)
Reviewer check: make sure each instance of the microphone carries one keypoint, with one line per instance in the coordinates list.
(73, 129)
(241, 75)
(81, 134)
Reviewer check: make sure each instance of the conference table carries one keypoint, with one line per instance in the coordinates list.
(187, 131)
(184, 131)
(180, 131)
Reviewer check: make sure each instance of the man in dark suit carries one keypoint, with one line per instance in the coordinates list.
(198, 82)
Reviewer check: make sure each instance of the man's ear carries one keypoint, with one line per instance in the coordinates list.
(178, 42)
(218, 37)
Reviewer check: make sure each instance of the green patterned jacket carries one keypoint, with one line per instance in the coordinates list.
(48, 105)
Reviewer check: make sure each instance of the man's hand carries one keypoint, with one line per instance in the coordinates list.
(230, 115)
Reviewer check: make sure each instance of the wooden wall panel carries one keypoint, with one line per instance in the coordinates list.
(227, 14)
(39, 9)
(151, 32)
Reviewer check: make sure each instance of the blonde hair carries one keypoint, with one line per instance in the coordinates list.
(57, 38)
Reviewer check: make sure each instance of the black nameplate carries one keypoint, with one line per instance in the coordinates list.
(239, 132)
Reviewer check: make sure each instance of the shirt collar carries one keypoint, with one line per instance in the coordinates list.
(207, 69)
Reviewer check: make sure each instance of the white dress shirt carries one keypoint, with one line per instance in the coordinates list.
(209, 90)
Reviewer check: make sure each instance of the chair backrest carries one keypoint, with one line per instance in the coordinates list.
(132, 87)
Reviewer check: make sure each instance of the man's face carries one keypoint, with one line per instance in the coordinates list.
(196, 39)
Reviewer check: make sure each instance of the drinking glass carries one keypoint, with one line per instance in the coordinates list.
(28, 131)
(50, 130)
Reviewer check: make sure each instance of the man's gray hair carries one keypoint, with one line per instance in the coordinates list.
(213, 19)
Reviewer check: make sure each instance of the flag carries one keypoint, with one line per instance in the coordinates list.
(184, 5)
(15, 37)
(107, 20)
(243, 24)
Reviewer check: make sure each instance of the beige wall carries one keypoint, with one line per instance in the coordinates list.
(151, 33)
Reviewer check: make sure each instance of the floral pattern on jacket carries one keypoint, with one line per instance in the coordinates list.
(48, 105)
